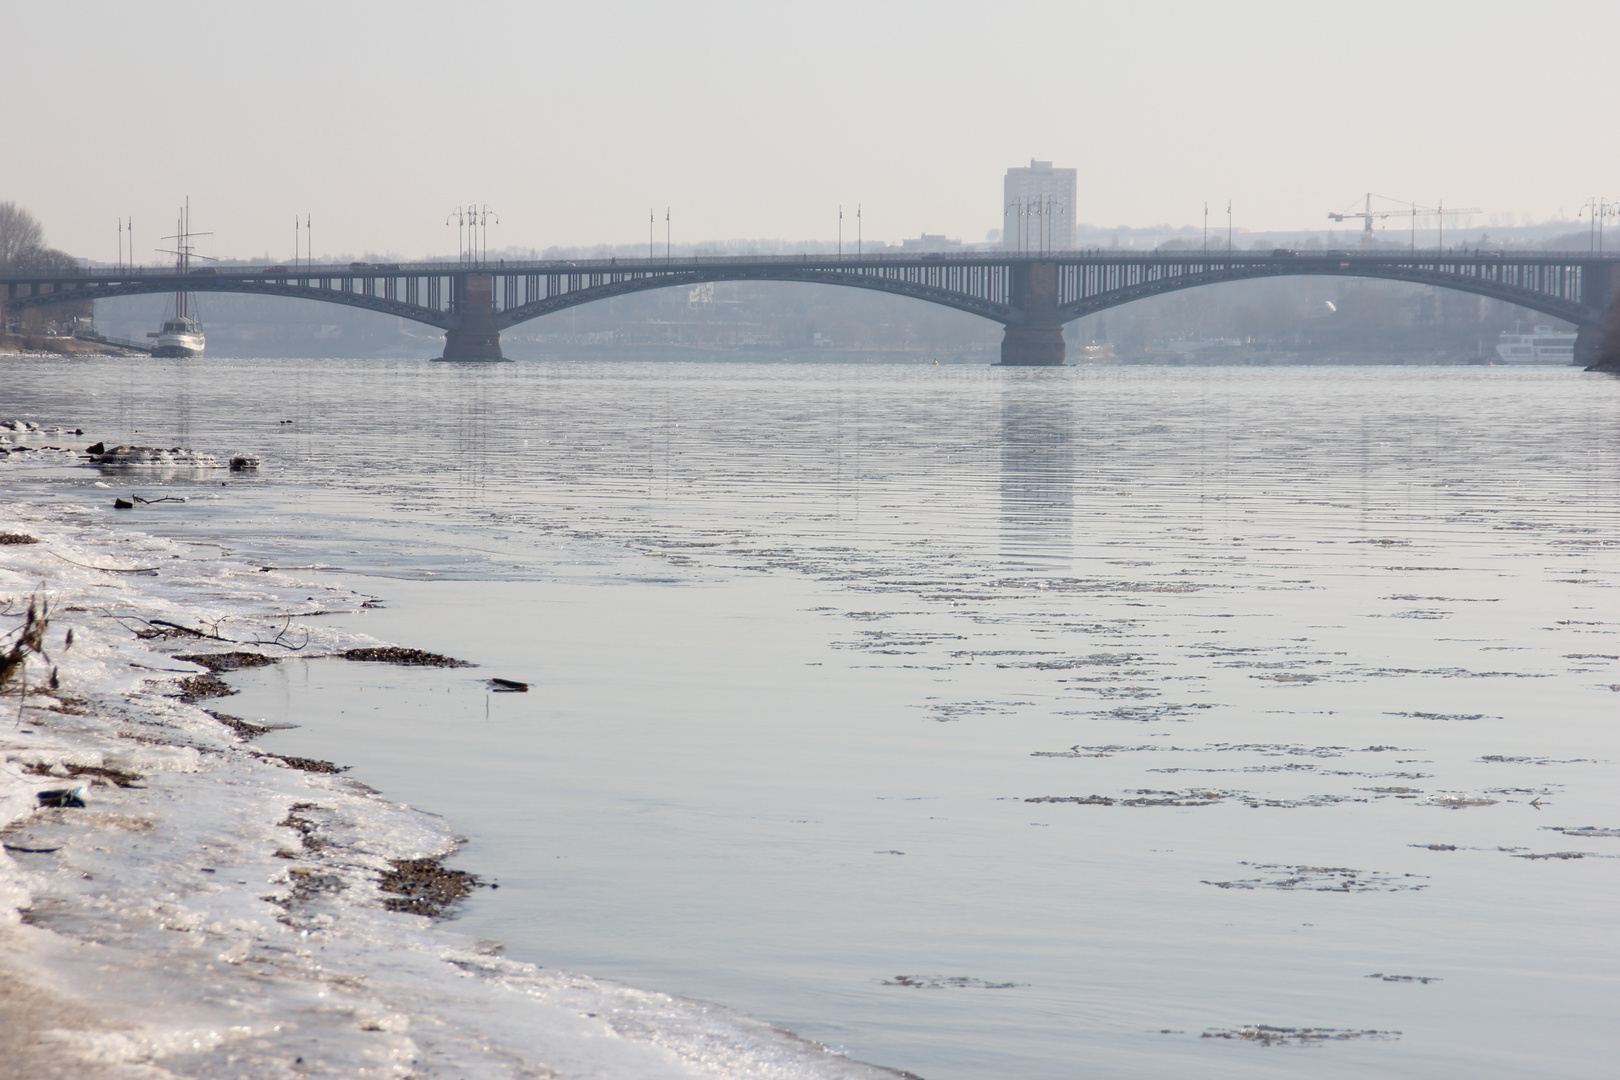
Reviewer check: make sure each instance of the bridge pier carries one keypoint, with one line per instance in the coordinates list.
(476, 338)
(1597, 345)
(1032, 346)
(1037, 339)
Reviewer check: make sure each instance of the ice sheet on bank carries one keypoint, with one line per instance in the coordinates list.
(212, 911)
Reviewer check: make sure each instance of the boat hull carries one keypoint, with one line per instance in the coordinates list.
(178, 345)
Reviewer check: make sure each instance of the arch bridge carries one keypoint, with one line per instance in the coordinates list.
(1031, 295)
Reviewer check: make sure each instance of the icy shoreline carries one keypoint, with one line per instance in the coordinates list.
(212, 911)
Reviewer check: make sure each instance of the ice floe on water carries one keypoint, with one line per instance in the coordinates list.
(211, 910)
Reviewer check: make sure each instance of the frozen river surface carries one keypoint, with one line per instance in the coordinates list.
(980, 723)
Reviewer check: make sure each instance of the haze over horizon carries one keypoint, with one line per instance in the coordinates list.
(749, 120)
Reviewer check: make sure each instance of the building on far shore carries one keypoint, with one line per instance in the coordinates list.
(1038, 206)
(929, 242)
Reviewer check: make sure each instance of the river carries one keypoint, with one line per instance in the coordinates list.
(1112, 721)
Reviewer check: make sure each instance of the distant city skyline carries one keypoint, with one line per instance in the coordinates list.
(374, 122)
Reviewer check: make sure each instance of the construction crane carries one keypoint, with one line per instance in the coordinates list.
(1368, 215)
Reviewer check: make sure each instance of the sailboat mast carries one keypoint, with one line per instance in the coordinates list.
(181, 263)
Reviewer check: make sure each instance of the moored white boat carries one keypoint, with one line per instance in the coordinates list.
(180, 336)
(1543, 345)
(182, 332)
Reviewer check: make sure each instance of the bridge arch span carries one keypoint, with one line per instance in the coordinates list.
(1559, 306)
(69, 291)
(984, 306)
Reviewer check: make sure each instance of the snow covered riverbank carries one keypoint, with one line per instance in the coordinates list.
(213, 911)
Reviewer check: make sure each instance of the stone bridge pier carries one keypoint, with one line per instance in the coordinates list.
(1597, 345)
(475, 337)
(1036, 340)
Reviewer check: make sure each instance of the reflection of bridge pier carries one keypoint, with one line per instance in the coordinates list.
(475, 335)
(1037, 465)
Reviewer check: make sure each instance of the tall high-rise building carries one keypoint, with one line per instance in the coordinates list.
(1038, 212)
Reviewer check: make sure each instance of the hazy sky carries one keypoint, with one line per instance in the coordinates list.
(757, 119)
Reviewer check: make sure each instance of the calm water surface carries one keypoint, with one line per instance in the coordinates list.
(982, 723)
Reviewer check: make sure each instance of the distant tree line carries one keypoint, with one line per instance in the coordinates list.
(22, 247)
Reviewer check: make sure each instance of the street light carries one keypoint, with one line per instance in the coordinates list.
(1023, 210)
(1597, 209)
(483, 224)
(461, 224)
(1590, 211)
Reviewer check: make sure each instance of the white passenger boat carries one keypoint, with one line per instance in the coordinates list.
(182, 333)
(180, 336)
(1543, 345)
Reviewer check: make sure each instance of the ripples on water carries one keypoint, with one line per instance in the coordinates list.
(985, 723)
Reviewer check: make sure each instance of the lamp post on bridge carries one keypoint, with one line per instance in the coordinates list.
(302, 227)
(483, 224)
(1440, 213)
(461, 225)
(1597, 209)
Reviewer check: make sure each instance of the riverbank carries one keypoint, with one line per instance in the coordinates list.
(216, 910)
(52, 345)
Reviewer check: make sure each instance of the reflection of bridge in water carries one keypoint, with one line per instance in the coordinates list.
(1031, 295)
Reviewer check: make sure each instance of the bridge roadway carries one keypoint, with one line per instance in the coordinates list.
(1032, 295)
